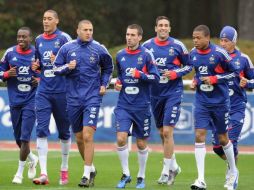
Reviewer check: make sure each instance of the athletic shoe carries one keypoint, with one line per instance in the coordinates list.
(17, 179)
(64, 178)
(42, 180)
(172, 175)
(140, 183)
(233, 181)
(84, 182)
(163, 179)
(92, 177)
(32, 168)
(198, 185)
(124, 179)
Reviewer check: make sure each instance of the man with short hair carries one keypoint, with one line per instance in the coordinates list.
(51, 96)
(136, 72)
(87, 66)
(213, 68)
(238, 97)
(172, 60)
(15, 68)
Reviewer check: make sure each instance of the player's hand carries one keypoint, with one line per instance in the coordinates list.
(210, 80)
(193, 84)
(52, 57)
(72, 64)
(102, 90)
(243, 82)
(12, 72)
(35, 81)
(206, 80)
(171, 75)
(35, 65)
(118, 85)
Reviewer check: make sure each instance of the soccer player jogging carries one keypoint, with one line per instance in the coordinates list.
(136, 72)
(238, 98)
(87, 66)
(213, 68)
(51, 96)
(172, 60)
(15, 68)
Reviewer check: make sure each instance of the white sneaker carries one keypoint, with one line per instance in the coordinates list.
(172, 175)
(32, 168)
(233, 181)
(163, 179)
(17, 179)
(200, 185)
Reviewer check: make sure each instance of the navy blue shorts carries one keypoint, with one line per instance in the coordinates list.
(166, 111)
(23, 120)
(218, 115)
(234, 130)
(83, 116)
(140, 120)
(55, 103)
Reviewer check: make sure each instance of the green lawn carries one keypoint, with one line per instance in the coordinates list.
(109, 171)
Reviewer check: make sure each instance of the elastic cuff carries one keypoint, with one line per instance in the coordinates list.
(173, 75)
(6, 75)
(137, 74)
(213, 79)
(118, 82)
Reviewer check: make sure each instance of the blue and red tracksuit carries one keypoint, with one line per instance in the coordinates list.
(51, 94)
(212, 101)
(93, 70)
(238, 99)
(20, 90)
(133, 105)
(170, 55)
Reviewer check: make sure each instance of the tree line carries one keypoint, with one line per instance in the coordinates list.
(111, 17)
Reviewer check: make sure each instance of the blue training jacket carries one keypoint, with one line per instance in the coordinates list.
(94, 68)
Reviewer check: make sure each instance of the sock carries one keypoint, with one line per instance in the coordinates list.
(92, 168)
(21, 168)
(65, 146)
(142, 159)
(87, 170)
(200, 153)
(123, 154)
(173, 166)
(31, 156)
(229, 152)
(166, 165)
(42, 147)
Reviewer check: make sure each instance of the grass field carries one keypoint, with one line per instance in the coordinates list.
(109, 171)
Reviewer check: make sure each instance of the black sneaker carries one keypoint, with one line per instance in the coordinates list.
(92, 177)
(84, 182)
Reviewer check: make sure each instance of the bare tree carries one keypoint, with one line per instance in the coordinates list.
(246, 19)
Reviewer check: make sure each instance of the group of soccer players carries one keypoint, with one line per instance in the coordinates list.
(72, 77)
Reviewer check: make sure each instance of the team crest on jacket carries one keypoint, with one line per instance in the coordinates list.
(92, 59)
(171, 51)
(237, 63)
(57, 44)
(140, 60)
(211, 60)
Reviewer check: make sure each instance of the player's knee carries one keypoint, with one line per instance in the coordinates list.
(168, 132)
(121, 140)
(218, 150)
(200, 136)
(87, 137)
